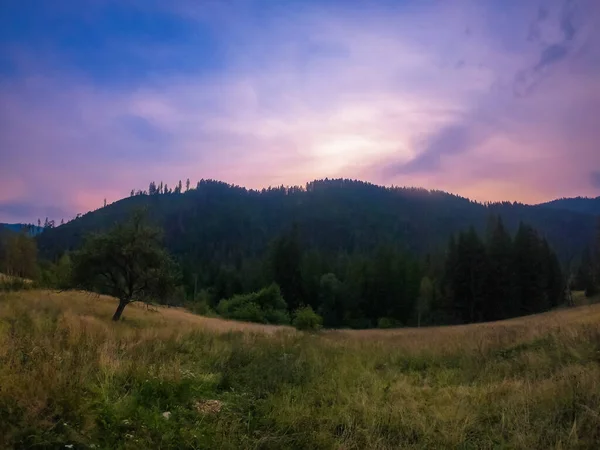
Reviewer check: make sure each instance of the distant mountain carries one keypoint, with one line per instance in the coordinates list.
(217, 223)
(584, 205)
(32, 230)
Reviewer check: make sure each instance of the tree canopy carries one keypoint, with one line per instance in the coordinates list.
(127, 262)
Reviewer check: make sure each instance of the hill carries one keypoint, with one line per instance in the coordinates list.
(355, 252)
(578, 204)
(31, 230)
(72, 379)
(217, 220)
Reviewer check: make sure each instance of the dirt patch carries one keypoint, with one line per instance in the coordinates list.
(208, 406)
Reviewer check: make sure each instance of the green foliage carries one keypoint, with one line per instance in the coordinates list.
(588, 275)
(349, 250)
(18, 254)
(59, 275)
(285, 267)
(127, 262)
(10, 284)
(426, 292)
(264, 306)
(306, 319)
(331, 299)
(501, 278)
(387, 322)
(201, 304)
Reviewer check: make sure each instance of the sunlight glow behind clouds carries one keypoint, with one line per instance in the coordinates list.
(494, 101)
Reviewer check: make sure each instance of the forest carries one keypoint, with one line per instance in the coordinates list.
(355, 254)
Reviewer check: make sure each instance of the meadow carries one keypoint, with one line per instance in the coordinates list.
(168, 379)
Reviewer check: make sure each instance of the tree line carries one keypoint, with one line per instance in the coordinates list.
(358, 254)
(473, 279)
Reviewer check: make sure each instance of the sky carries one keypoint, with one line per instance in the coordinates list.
(489, 99)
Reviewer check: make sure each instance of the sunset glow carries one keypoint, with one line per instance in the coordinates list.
(494, 100)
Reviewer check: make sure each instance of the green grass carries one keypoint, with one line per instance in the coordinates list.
(68, 376)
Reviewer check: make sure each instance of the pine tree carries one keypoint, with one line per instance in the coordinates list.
(468, 275)
(596, 259)
(425, 299)
(446, 310)
(500, 293)
(553, 278)
(187, 185)
(285, 260)
(529, 268)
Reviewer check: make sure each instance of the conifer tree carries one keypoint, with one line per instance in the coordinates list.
(285, 260)
(500, 290)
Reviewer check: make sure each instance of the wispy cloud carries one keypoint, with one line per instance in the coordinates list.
(493, 100)
(595, 177)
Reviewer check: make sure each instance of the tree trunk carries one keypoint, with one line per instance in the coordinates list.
(119, 311)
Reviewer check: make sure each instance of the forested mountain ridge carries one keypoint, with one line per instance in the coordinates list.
(359, 254)
(30, 229)
(584, 205)
(333, 214)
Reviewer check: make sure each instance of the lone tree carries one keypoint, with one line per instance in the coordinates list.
(127, 262)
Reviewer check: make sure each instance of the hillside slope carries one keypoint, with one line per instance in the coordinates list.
(71, 378)
(31, 230)
(227, 222)
(578, 204)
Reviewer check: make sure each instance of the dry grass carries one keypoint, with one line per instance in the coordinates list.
(69, 376)
(478, 337)
(8, 279)
(157, 318)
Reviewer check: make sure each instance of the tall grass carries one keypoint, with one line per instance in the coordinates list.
(68, 376)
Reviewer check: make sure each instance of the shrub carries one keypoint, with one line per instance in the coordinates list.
(387, 322)
(264, 306)
(9, 284)
(307, 320)
(248, 312)
(201, 308)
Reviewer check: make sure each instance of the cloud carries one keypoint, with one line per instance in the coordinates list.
(449, 141)
(282, 95)
(559, 30)
(595, 179)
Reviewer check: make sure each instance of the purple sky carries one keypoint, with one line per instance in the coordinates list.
(494, 99)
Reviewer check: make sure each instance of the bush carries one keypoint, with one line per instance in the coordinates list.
(248, 312)
(201, 308)
(8, 284)
(387, 322)
(264, 306)
(307, 320)
(277, 316)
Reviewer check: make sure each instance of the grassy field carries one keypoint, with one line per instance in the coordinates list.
(69, 378)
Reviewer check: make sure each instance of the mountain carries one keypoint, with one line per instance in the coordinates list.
(354, 251)
(32, 230)
(583, 205)
(229, 223)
